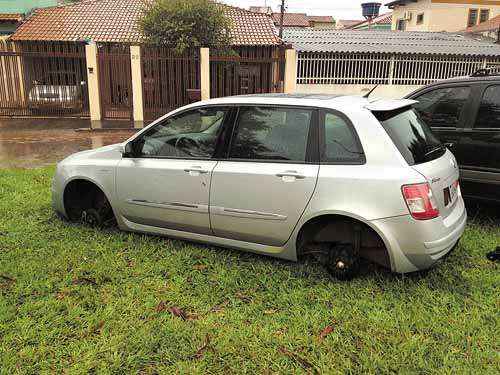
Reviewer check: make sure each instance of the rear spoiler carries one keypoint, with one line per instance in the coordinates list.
(386, 105)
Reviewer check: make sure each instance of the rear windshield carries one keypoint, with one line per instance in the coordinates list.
(411, 135)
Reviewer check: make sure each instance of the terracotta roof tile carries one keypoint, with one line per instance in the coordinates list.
(116, 21)
(291, 19)
(325, 19)
(383, 19)
(15, 17)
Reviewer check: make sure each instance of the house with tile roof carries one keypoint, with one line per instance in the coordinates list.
(382, 22)
(441, 15)
(291, 19)
(346, 24)
(354, 61)
(117, 21)
(13, 12)
(321, 21)
(97, 47)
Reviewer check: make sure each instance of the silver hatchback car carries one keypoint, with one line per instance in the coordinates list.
(280, 175)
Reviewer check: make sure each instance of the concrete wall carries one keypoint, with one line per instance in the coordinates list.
(382, 91)
(442, 15)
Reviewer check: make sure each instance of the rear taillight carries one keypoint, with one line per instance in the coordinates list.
(420, 202)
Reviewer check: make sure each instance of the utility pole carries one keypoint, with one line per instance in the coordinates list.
(282, 15)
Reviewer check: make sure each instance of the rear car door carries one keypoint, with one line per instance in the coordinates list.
(445, 110)
(166, 182)
(481, 146)
(269, 174)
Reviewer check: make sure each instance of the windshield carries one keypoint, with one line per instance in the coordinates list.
(411, 135)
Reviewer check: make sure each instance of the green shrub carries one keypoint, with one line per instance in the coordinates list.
(186, 24)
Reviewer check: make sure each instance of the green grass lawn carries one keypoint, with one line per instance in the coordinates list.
(84, 300)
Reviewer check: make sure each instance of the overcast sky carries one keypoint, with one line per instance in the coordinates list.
(339, 9)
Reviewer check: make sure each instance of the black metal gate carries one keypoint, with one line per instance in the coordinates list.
(43, 79)
(169, 80)
(115, 81)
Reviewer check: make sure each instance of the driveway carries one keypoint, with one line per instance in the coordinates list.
(30, 143)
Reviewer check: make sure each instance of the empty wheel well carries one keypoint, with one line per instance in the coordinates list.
(342, 229)
(81, 195)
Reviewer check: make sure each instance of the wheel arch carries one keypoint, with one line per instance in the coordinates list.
(83, 179)
(332, 217)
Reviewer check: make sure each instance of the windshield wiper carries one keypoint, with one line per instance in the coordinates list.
(435, 149)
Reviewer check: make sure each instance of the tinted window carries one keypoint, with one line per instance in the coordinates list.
(442, 107)
(489, 110)
(341, 144)
(192, 134)
(411, 135)
(271, 134)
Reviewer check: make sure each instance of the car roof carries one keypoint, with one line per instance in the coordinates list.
(338, 102)
(476, 79)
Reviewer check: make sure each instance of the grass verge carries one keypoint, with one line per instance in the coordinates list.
(84, 300)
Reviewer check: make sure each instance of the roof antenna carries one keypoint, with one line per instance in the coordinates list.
(367, 95)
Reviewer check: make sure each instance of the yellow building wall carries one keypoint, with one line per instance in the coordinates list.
(442, 15)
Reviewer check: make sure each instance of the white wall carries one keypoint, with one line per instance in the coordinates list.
(382, 91)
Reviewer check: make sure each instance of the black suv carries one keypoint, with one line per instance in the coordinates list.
(465, 114)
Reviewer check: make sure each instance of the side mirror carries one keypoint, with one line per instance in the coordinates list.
(127, 150)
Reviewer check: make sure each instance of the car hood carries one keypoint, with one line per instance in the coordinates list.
(111, 152)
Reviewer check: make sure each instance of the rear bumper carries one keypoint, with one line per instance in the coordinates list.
(417, 245)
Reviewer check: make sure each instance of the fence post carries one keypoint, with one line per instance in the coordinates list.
(290, 85)
(93, 81)
(391, 70)
(205, 73)
(137, 104)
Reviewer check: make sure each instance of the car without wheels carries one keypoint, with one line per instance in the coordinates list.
(281, 175)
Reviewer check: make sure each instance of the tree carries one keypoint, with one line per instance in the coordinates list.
(186, 24)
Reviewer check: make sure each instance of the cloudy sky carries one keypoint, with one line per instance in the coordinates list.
(340, 9)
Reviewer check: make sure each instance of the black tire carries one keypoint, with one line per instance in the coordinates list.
(343, 262)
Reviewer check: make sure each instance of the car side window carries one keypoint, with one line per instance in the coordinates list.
(488, 116)
(443, 107)
(265, 133)
(191, 134)
(341, 144)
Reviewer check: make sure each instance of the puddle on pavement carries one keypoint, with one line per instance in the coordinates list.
(29, 148)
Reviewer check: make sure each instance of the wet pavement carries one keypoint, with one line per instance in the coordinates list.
(31, 143)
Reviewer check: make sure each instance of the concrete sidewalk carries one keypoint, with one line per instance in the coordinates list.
(30, 143)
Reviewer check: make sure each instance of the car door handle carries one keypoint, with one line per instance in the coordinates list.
(294, 174)
(195, 170)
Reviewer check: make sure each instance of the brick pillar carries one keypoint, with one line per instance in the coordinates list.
(138, 105)
(205, 73)
(290, 85)
(93, 81)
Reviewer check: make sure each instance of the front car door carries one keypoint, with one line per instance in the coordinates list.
(481, 146)
(261, 188)
(166, 181)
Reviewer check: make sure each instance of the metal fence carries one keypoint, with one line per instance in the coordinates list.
(169, 80)
(381, 68)
(115, 81)
(248, 70)
(43, 79)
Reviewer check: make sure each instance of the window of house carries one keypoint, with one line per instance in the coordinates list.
(420, 19)
(401, 25)
(484, 15)
(443, 107)
(488, 116)
(472, 21)
(266, 133)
